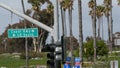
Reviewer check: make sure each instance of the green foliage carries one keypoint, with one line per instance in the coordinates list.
(88, 49)
(9, 61)
(36, 4)
(87, 64)
(76, 52)
(102, 49)
(32, 55)
(66, 4)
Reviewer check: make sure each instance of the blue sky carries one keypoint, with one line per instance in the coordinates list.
(5, 17)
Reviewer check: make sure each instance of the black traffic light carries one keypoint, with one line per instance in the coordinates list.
(51, 55)
(54, 56)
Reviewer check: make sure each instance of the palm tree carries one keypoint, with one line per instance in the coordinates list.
(36, 4)
(99, 14)
(63, 17)
(108, 14)
(94, 29)
(50, 9)
(70, 28)
(80, 31)
(70, 15)
(111, 27)
(92, 5)
(67, 4)
(64, 27)
(107, 10)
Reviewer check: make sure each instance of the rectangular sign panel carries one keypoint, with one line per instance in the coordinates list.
(22, 33)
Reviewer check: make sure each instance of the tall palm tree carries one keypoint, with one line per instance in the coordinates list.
(64, 27)
(107, 10)
(67, 4)
(94, 29)
(70, 15)
(99, 14)
(70, 29)
(111, 26)
(63, 16)
(108, 14)
(80, 31)
(92, 5)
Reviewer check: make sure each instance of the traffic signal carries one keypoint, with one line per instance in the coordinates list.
(51, 55)
(54, 56)
(58, 55)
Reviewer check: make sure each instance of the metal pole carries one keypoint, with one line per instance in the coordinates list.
(26, 45)
(56, 30)
(56, 22)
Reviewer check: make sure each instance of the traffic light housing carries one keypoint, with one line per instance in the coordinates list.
(51, 55)
(54, 55)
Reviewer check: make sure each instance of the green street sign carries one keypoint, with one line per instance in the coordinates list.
(22, 33)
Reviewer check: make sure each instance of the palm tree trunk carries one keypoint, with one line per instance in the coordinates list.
(102, 28)
(94, 30)
(108, 28)
(109, 42)
(99, 19)
(111, 27)
(70, 20)
(64, 22)
(80, 31)
(62, 18)
(70, 28)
